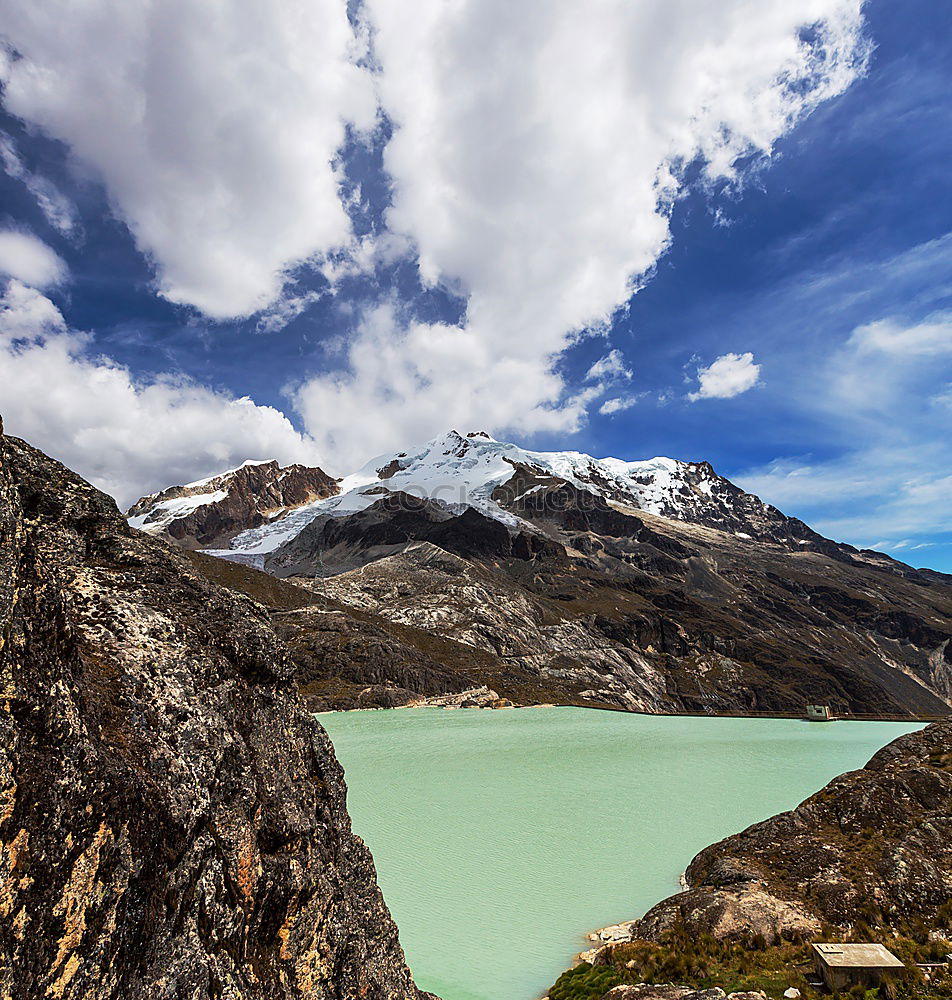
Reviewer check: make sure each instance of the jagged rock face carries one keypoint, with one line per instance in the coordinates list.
(172, 823)
(496, 478)
(346, 657)
(208, 513)
(873, 845)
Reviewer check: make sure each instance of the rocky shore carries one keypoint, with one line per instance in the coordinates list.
(869, 855)
(874, 845)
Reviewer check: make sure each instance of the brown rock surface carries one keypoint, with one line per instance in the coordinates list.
(629, 610)
(250, 496)
(744, 913)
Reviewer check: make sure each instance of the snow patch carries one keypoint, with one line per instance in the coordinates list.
(460, 472)
(164, 513)
(228, 472)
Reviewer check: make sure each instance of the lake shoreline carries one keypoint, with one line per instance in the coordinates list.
(436, 702)
(557, 821)
(604, 937)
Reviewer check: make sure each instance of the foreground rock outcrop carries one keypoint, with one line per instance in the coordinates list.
(869, 858)
(874, 846)
(172, 823)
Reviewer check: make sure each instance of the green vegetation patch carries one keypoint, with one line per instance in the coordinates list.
(586, 982)
(702, 962)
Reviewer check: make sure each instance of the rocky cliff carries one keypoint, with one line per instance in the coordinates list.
(172, 823)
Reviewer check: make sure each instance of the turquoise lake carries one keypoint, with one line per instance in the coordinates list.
(501, 838)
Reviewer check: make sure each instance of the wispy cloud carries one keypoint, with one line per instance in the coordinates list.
(57, 208)
(611, 366)
(892, 483)
(618, 404)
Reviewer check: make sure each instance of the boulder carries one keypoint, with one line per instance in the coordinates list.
(738, 913)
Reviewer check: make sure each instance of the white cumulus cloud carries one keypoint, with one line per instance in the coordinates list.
(726, 377)
(30, 260)
(215, 128)
(536, 153)
(126, 436)
(535, 157)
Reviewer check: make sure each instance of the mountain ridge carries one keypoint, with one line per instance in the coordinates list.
(703, 598)
(210, 511)
(491, 476)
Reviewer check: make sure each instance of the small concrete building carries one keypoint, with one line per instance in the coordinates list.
(842, 965)
(819, 713)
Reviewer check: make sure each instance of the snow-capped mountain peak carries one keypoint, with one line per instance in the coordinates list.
(459, 471)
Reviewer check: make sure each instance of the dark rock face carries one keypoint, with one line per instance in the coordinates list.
(172, 823)
(874, 845)
(346, 657)
(396, 519)
(253, 495)
(342, 661)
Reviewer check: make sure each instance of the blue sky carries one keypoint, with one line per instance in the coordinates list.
(820, 274)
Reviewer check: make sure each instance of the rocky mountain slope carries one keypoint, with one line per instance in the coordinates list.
(650, 586)
(492, 477)
(209, 512)
(172, 822)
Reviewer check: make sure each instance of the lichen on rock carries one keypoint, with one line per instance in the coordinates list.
(172, 822)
